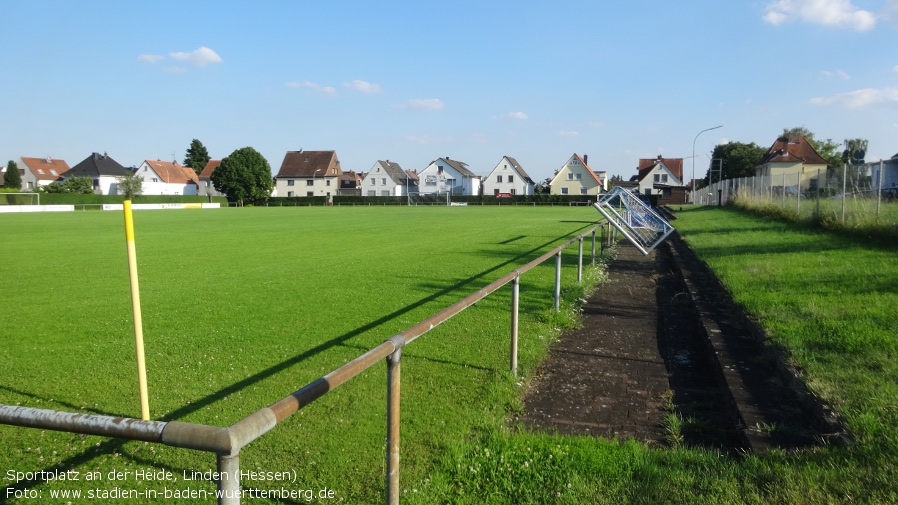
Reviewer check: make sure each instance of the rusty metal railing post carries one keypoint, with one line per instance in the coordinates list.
(393, 389)
(229, 479)
(580, 260)
(558, 281)
(515, 303)
(593, 247)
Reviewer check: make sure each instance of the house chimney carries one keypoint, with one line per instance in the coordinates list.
(586, 159)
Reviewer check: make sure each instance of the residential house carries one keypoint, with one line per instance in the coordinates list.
(791, 162)
(508, 178)
(445, 175)
(40, 171)
(387, 178)
(889, 176)
(206, 187)
(660, 178)
(350, 183)
(167, 178)
(576, 178)
(102, 170)
(309, 173)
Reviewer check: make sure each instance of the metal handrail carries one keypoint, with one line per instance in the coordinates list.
(226, 442)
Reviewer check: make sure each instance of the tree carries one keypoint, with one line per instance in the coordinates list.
(79, 185)
(12, 179)
(129, 185)
(244, 175)
(197, 156)
(617, 178)
(739, 160)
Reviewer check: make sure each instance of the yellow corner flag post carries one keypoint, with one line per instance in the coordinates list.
(138, 321)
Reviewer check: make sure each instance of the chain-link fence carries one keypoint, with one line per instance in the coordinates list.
(851, 195)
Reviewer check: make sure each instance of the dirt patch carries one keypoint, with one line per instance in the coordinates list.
(662, 357)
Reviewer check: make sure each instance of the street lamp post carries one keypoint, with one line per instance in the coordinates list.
(693, 157)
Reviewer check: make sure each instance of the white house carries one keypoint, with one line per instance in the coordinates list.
(309, 174)
(508, 178)
(205, 178)
(657, 175)
(445, 175)
(102, 170)
(576, 178)
(40, 171)
(167, 178)
(387, 178)
(889, 177)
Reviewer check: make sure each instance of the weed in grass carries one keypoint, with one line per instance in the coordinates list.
(673, 424)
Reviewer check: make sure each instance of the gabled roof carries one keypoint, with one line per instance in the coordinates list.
(45, 169)
(519, 169)
(412, 174)
(675, 165)
(395, 172)
(210, 167)
(791, 150)
(588, 170)
(459, 166)
(648, 170)
(97, 165)
(310, 164)
(172, 172)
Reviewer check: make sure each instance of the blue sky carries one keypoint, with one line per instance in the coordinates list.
(413, 81)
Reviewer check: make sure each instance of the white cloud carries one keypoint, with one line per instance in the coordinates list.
(859, 98)
(314, 86)
(420, 103)
(150, 58)
(199, 57)
(838, 13)
(890, 13)
(568, 133)
(837, 73)
(363, 86)
(514, 115)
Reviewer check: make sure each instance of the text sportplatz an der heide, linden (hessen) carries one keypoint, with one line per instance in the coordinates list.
(145, 475)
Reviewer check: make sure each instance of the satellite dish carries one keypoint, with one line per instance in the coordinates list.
(859, 154)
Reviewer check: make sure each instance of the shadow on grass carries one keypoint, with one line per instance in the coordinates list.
(53, 400)
(111, 445)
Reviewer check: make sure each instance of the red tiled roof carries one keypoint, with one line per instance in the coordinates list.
(310, 164)
(791, 149)
(44, 168)
(675, 165)
(210, 167)
(172, 172)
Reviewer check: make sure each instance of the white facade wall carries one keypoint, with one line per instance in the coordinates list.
(153, 184)
(431, 180)
(506, 179)
(306, 186)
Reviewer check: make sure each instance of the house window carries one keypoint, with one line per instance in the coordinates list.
(373, 182)
(583, 190)
(579, 176)
(575, 162)
(570, 176)
(383, 182)
(310, 193)
(310, 182)
(663, 177)
(648, 191)
(372, 193)
(155, 179)
(53, 172)
(328, 182)
(510, 178)
(657, 177)
(498, 178)
(290, 182)
(385, 192)
(496, 192)
(563, 191)
(40, 171)
(513, 191)
(289, 194)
